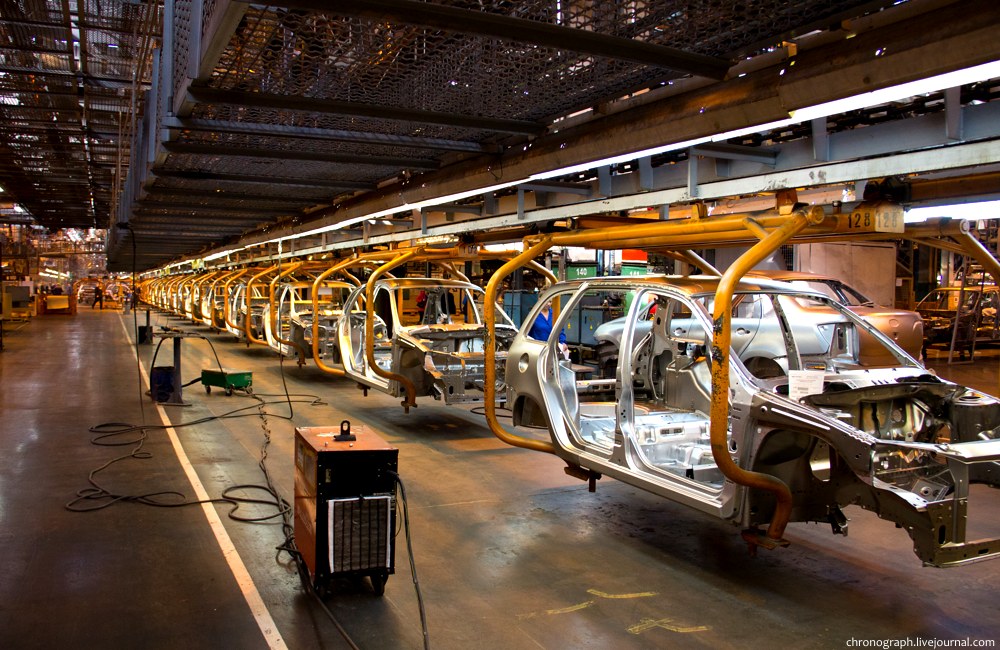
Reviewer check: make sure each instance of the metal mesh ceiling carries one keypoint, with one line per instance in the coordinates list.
(67, 71)
(261, 111)
(302, 101)
(319, 55)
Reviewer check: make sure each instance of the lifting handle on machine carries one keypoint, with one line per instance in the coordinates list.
(345, 432)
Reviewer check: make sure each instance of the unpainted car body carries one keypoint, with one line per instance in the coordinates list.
(439, 348)
(295, 316)
(877, 430)
(904, 327)
(213, 302)
(243, 306)
(978, 320)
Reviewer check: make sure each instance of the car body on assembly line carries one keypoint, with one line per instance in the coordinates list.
(289, 330)
(904, 327)
(434, 340)
(828, 405)
(978, 321)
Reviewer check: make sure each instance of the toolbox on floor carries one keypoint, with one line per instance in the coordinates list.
(229, 380)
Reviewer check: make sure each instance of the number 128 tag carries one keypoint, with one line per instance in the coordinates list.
(880, 217)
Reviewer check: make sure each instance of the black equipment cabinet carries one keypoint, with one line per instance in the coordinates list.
(345, 506)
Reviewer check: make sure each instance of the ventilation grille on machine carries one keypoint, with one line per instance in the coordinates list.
(360, 533)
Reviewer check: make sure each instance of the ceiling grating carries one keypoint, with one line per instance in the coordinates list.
(242, 117)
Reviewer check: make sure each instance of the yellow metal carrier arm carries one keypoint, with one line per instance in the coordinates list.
(273, 312)
(247, 330)
(411, 397)
(721, 341)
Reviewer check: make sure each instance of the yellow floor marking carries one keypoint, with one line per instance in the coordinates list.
(648, 624)
(601, 594)
(571, 608)
(564, 610)
(584, 605)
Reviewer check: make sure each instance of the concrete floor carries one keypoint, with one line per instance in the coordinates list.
(510, 552)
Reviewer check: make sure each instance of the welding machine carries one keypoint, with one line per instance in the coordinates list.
(345, 506)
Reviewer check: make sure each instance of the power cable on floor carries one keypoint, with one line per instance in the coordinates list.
(283, 510)
(409, 552)
(109, 433)
(106, 498)
(289, 546)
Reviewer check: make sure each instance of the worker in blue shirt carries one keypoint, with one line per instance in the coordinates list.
(542, 328)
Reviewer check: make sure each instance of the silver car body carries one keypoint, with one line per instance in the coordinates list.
(439, 349)
(295, 316)
(213, 301)
(242, 306)
(905, 327)
(876, 430)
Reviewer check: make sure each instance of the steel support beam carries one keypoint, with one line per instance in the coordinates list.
(154, 193)
(469, 21)
(202, 213)
(356, 109)
(345, 186)
(326, 135)
(846, 172)
(557, 187)
(760, 97)
(725, 151)
(187, 232)
(280, 154)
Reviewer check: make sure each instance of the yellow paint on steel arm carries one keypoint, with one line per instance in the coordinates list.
(226, 299)
(411, 397)
(490, 317)
(721, 341)
(249, 293)
(338, 267)
(273, 313)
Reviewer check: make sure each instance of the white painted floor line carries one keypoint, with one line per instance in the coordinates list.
(257, 607)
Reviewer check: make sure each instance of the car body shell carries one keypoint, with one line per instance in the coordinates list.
(877, 430)
(439, 348)
(903, 326)
(978, 320)
(295, 315)
(242, 307)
